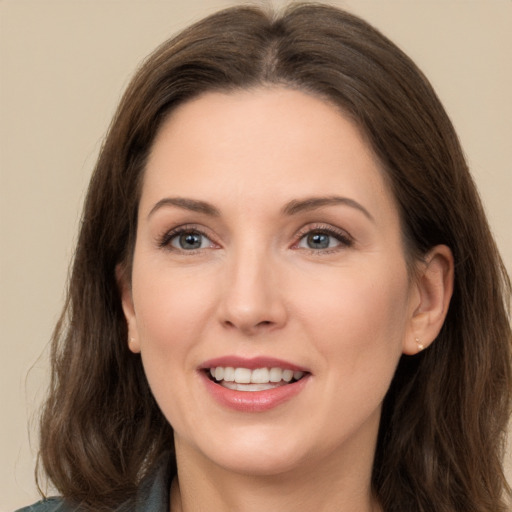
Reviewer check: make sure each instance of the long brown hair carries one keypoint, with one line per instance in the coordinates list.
(442, 432)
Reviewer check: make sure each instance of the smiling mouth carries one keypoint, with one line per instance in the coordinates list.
(259, 379)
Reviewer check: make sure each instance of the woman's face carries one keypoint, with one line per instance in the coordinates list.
(268, 248)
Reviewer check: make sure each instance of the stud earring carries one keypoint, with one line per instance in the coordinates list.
(420, 345)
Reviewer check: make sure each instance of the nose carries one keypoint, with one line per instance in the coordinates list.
(252, 299)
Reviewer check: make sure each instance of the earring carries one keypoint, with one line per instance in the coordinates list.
(420, 345)
(131, 340)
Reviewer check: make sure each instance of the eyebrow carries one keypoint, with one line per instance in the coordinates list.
(292, 208)
(313, 203)
(192, 205)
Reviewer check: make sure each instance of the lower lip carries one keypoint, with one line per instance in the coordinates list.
(254, 401)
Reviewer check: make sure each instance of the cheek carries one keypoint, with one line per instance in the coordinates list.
(171, 312)
(359, 321)
(358, 329)
(170, 307)
(170, 315)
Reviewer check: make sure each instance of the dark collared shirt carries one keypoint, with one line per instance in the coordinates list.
(153, 494)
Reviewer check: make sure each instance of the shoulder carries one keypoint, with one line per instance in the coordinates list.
(49, 505)
(153, 494)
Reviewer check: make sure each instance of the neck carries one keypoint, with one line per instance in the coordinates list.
(322, 487)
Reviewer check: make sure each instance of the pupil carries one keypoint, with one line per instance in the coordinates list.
(318, 241)
(190, 241)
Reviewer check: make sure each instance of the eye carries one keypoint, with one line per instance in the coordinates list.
(318, 240)
(189, 241)
(321, 239)
(186, 239)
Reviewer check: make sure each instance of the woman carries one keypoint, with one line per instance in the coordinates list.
(285, 293)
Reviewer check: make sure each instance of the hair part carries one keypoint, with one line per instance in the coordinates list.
(444, 419)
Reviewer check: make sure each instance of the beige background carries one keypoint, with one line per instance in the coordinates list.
(63, 67)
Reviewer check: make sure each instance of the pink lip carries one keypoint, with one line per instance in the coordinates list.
(250, 363)
(252, 401)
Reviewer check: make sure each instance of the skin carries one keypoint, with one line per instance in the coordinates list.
(256, 287)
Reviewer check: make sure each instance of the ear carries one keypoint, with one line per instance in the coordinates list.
(125, 290)
(431, 294)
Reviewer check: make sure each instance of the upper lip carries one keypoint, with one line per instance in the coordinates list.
(251, 363)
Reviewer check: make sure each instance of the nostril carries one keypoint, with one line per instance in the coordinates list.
(248, 328)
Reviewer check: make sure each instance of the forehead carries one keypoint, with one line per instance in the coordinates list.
(262, 142)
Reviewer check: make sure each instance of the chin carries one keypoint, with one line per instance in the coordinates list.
(258, 461)
(252, 452)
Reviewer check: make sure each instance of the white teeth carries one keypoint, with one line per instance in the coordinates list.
(229, 374)
(287, 375)
(250, 387)
(276, 374)
(242, 375)
(257, 376)
(260, 376)
(219, 373)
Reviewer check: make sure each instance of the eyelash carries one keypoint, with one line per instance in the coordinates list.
(345, 240)
(164, 241)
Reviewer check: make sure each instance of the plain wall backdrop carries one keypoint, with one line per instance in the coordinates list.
(63, 67)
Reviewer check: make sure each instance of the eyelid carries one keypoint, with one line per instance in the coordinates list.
(343, 236)
(163, 240)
